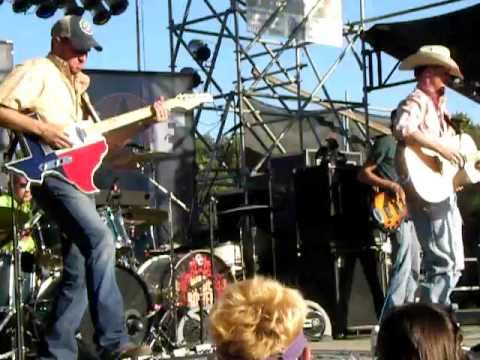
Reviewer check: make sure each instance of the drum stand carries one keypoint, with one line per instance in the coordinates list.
(19, 343)
(173, 292)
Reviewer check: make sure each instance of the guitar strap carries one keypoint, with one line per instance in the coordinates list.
(89, 107)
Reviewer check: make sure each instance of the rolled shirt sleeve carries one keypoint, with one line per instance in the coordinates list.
(21, 89)
(409, 116)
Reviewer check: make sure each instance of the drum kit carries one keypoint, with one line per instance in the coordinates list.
(166, 297)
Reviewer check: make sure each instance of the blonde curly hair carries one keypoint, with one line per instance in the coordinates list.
(256, 318)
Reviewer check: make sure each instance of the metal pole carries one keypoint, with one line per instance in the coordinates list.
(364, 70)
(299, 101)
(239, 90)
(137, 23)
(170, 35)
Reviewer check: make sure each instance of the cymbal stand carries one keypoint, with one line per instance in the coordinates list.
(173, 291)
(213, 224)
(17, 276)
(19, 348)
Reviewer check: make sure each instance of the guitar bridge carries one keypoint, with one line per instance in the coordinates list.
(56, 163)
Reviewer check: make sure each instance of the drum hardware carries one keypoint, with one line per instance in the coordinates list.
(173, 293)
(137, 303)
(195, 287)
(246, 215)
(18, 342)
(138, 216)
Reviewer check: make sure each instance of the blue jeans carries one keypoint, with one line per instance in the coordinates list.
(406, 268)
(88, 273)
(439, 231)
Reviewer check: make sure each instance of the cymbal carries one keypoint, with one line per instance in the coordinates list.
(245, 210)
(130, 160)
(144, 215)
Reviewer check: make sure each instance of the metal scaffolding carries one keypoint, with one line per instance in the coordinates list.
(267, 70)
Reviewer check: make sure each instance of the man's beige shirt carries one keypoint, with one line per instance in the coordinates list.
(45, 87)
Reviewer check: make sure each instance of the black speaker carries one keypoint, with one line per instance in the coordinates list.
(338, 263)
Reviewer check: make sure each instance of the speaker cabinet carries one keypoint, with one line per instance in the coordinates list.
(339, 267)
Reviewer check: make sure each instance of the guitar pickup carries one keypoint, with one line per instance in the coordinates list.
(56, 163)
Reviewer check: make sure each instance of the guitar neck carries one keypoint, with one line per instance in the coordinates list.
(181, 101)
(117, 122)
(129, 118)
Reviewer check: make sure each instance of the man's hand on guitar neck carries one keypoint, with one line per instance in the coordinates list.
(161, 112)
(54, 135)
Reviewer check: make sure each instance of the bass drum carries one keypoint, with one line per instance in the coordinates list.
(137, 304)
(194, 280)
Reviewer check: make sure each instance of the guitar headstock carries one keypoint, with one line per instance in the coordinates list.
(188, 101)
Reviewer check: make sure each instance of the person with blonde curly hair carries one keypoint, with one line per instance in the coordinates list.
(257, 319)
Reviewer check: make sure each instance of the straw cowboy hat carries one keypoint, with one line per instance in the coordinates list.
(432, 55)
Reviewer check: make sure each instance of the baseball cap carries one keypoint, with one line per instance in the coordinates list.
(78, 31)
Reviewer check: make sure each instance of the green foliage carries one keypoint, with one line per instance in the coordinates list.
(217, 165)
(466, 125)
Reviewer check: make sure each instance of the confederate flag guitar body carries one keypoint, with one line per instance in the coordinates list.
(78, 164)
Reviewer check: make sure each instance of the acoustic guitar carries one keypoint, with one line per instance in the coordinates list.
(433, 177)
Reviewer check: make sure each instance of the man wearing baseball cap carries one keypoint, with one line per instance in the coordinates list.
(55, 89)
(423, 121)
(78, 31)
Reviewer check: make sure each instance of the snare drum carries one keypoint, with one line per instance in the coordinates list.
(193, 279)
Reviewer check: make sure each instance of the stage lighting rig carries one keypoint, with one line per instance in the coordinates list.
(100, 14)
(117, 6)
(199, 50)
(70, 7)
(196, 79)
(91, 4)
(46, 9)
(101, 10)
(20, 6)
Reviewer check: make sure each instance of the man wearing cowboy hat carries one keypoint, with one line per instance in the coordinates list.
(422, 121)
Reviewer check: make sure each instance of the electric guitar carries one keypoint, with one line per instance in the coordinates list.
(387, 211)
(78, 164)
(433, 177)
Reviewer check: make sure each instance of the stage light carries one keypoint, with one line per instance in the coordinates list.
(46, 9)
(117, 6)
(196, 79)
(199, 50)
(100, 14)
(91, 4)
(20, 6)
(70, 7)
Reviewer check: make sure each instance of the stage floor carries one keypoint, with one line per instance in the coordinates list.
(359, 345)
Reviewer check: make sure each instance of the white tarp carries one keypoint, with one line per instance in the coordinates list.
(324, 25)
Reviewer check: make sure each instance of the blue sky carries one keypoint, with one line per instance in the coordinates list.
(30, 36)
